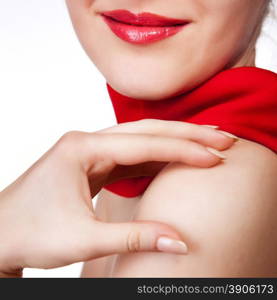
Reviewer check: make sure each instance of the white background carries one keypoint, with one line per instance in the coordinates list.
(48, 86)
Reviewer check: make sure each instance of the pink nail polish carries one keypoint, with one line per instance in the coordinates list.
(165, 244)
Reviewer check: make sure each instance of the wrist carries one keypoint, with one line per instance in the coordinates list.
(8, 255)
(14, 274)
(6, 271)
(8, 266)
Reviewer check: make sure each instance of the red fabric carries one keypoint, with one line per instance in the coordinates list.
(242, 101)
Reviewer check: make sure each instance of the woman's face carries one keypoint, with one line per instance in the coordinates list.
(217, 34)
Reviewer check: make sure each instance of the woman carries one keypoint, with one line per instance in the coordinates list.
(144, 63)
(226, 214)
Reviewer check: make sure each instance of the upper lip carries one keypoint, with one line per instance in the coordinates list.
(142, 19)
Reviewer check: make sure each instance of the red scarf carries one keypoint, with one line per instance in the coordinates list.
(242, 101)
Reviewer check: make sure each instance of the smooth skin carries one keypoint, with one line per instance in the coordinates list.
(228, 212)
(216, 39)
(48, 209)
(46, 216)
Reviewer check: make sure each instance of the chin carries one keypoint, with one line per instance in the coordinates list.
(152, 89)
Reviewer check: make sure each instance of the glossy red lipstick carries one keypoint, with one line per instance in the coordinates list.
(142, 28)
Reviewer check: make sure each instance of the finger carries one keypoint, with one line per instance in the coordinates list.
(112, 238)
(204, 134)
(131, 149)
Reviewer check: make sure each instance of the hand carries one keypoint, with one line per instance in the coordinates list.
(193, 154)
(46, 215)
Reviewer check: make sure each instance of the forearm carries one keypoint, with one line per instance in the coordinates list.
(8, 268)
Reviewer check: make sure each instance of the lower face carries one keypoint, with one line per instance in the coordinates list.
(166, 59)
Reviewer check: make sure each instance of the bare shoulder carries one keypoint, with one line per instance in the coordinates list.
(249, 167)
(226, 214)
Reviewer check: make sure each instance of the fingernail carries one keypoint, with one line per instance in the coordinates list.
(229, 134)
(165, 244)
(216, 152)
(211, 126)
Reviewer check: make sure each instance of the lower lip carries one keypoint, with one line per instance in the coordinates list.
(141, 34)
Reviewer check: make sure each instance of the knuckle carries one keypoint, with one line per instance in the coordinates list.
(133, 241)
(71, 136)
(70, 141)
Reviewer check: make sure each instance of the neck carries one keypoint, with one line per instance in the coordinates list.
(247, 59)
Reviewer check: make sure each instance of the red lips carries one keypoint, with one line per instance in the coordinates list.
(142, 28)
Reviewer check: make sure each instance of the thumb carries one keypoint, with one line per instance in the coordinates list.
(112, 238)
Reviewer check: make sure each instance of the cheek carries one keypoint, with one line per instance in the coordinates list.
(226, 27)
(175, 66)
(221, 39)
(79, 3)
(83, 20)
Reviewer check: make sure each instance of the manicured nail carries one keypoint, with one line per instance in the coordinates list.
(166, 244)
(212, 126)
(216, 152)
(229, 135)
